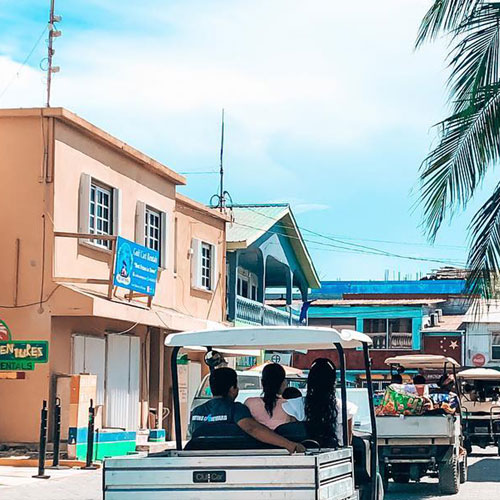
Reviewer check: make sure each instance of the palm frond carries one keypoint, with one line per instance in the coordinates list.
(484, 256)
(475, 60)
(443, 16)
(470, 141)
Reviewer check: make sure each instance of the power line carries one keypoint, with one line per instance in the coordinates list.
(352, 250)
(369, 250)
(25, 61)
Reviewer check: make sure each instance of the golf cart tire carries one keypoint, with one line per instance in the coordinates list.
(384, 474)
(468, 446)
(463, 470)
(449, 477)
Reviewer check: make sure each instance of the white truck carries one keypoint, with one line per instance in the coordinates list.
(235, 467)
(411, 447)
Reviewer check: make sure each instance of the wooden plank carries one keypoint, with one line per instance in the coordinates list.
(90, 281)
(86, 236)
(112, 268)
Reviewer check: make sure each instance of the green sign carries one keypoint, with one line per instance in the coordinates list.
(20, 355)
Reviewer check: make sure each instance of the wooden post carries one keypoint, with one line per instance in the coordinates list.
(112, 268)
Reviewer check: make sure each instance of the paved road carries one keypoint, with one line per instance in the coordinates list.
(483, 482)
(16, 483)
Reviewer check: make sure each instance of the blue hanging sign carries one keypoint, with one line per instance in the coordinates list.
(136, 267)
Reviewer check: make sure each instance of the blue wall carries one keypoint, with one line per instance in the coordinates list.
(373, 312)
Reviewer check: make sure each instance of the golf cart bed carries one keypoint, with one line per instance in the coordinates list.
(431, 428)
(231, 475)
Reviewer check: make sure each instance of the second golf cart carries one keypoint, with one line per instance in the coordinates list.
(413, 446)
(480, 391)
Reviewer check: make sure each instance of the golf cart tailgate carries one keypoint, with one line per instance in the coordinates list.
(228, 475)
(440, 426)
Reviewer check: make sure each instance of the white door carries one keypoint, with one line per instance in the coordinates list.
(122, 381)
(89, 356)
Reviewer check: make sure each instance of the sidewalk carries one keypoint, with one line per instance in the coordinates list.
(16, 483)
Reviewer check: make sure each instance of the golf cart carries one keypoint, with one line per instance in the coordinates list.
(413, 446)
(480, 403)
(235, 467)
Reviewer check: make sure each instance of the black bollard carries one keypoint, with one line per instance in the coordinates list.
(57, 436)
(90, 438)
(43, 443)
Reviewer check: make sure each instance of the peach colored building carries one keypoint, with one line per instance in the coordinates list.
(62, 176)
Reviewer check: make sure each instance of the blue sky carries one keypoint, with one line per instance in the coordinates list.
(327, 105)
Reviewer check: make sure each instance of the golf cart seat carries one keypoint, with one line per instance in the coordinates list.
(222, 436)
(293, 431)
(361, 452)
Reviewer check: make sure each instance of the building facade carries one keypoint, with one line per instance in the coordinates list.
(404, 317)
(66, 183)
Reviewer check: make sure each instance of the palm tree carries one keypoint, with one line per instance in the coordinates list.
(469, 139)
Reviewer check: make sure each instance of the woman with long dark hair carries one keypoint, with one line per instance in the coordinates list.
(320, 409)
(268, 409)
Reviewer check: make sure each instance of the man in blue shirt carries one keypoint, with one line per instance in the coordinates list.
(222, 408)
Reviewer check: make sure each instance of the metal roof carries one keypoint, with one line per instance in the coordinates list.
(336, 289)
(449, 323)
(250, 222)
(297, 338)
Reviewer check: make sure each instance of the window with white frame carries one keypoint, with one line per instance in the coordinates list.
(495, 346)
(101, 212)
(389, 333)
(152, 229)
(206, 265)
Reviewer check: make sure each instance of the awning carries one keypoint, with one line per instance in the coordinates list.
(70, 300)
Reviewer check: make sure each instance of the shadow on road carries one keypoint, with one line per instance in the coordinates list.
(486, 470)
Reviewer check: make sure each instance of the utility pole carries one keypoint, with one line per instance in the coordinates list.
(53, 33)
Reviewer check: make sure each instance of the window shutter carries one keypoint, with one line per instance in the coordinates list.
(196, 263)
(214, 268)
(84, 204)
(140, 223)
(117, 209)
(164, 240)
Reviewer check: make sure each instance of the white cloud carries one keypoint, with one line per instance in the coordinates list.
(324, 73)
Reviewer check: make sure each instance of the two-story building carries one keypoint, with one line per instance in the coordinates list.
(266, 252)
(401, 317)
(69, 189)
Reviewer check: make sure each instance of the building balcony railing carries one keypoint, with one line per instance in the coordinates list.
(254, 313)
(400, 340)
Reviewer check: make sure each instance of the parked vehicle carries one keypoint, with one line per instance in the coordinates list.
(480, 401)
(414, 446)
(221, 472)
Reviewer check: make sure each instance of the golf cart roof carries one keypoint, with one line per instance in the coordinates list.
(296, 338)
(430, 361)
(479, 374)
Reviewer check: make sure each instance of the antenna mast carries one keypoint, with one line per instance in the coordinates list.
(53, 33)
(222, 199)
(219, 200)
